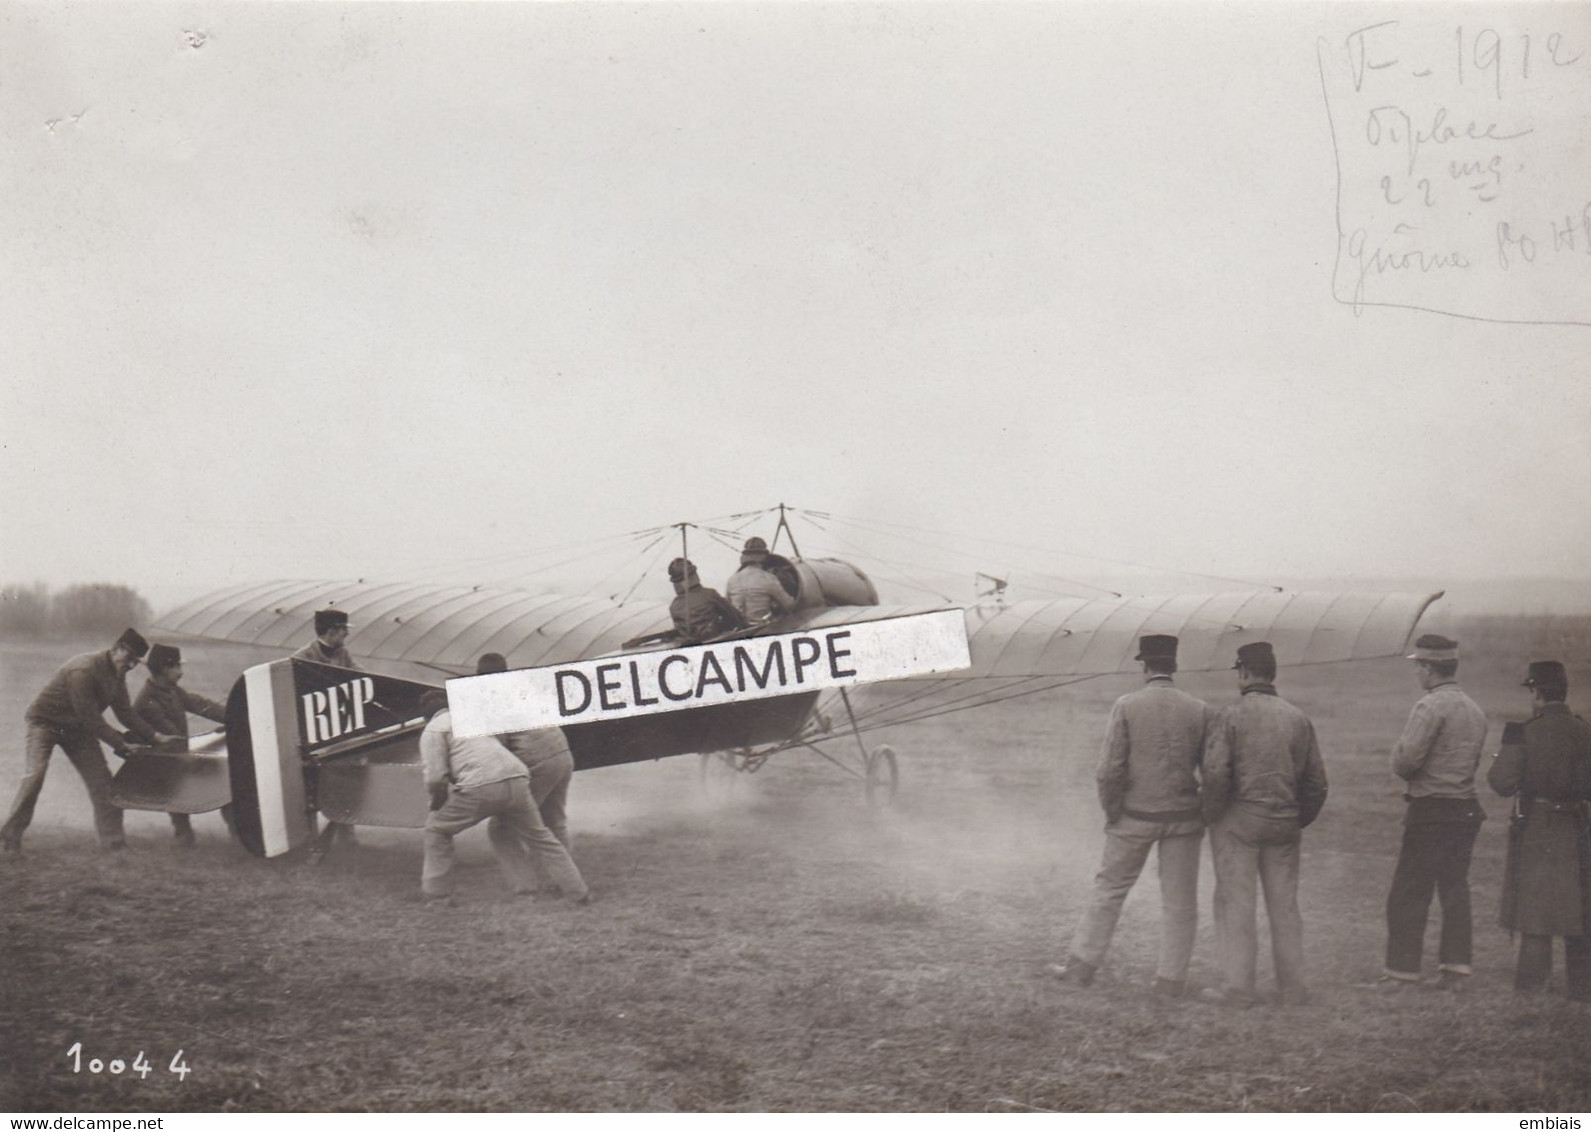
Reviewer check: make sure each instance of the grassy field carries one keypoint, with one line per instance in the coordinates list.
(773, 946)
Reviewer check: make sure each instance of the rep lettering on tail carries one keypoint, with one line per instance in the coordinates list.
(339, 710)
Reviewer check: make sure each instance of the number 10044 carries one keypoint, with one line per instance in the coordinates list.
(115, 1066)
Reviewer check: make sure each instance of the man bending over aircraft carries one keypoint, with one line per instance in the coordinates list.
(69, 714)
(549, 762)
(164, 704)
(475, 780)
(753, 590)
(330, 645)
(699, 613)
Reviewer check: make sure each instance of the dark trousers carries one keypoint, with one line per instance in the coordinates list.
(1535, 964)
(1434, 857)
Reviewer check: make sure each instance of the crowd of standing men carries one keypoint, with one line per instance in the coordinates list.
(1251, 776)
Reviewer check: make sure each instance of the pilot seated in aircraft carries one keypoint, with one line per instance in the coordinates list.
(753, 590)
(164, 705)
(700, 614)
(330, 645)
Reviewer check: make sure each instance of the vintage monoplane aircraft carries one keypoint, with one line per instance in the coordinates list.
(304, 739)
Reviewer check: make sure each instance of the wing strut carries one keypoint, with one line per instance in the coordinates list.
(784, 525)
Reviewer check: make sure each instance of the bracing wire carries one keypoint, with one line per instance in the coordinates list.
(875, 524)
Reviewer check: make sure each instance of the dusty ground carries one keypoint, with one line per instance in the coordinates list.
(775, 946)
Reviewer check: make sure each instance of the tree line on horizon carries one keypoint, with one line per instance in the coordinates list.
(34, 610)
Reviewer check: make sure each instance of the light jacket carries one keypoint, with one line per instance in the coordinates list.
(1441, 745)
(1153, 743)
(757, 594)
(536, 747)
(464, 762)
(1262, 758)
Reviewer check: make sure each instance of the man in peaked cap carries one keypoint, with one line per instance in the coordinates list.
(1545, 764)
(1148, 779)
(699, 613)
(1263, 783)
(163, 703)
(69, 713)
(1437, 756)
(330, 645)
(753, 590)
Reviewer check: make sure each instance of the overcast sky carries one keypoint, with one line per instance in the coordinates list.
(325, 291)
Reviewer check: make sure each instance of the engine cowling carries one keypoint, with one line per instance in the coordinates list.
(822, 583)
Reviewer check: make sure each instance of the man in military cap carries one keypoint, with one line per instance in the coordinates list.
(753, 590)
(330, 645)
(69, 713)
(1263, 783)
(164, 704)
(1437, 756)
(699, 613)
(1148, 777)
(1545, 764)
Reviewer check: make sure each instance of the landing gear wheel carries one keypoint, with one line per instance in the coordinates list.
(717, 775)
(883, 776)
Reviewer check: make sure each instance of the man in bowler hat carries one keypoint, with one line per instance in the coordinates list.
(164, 704)
(330, 645)
(1148, 777)
(1437, 756)
(1545, 763)
(69, 714)
(1263, 783)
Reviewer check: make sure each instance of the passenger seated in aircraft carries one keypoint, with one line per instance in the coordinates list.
(699, 613)
(330, 645)
(164, 705)
(755, 593)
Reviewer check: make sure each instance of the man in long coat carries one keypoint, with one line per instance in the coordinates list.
(1545, 764)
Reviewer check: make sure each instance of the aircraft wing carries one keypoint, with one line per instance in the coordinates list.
(440, 626)
(450, 626)
(1074, 637)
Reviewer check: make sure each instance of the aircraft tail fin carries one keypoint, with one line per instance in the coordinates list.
(306, 738)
